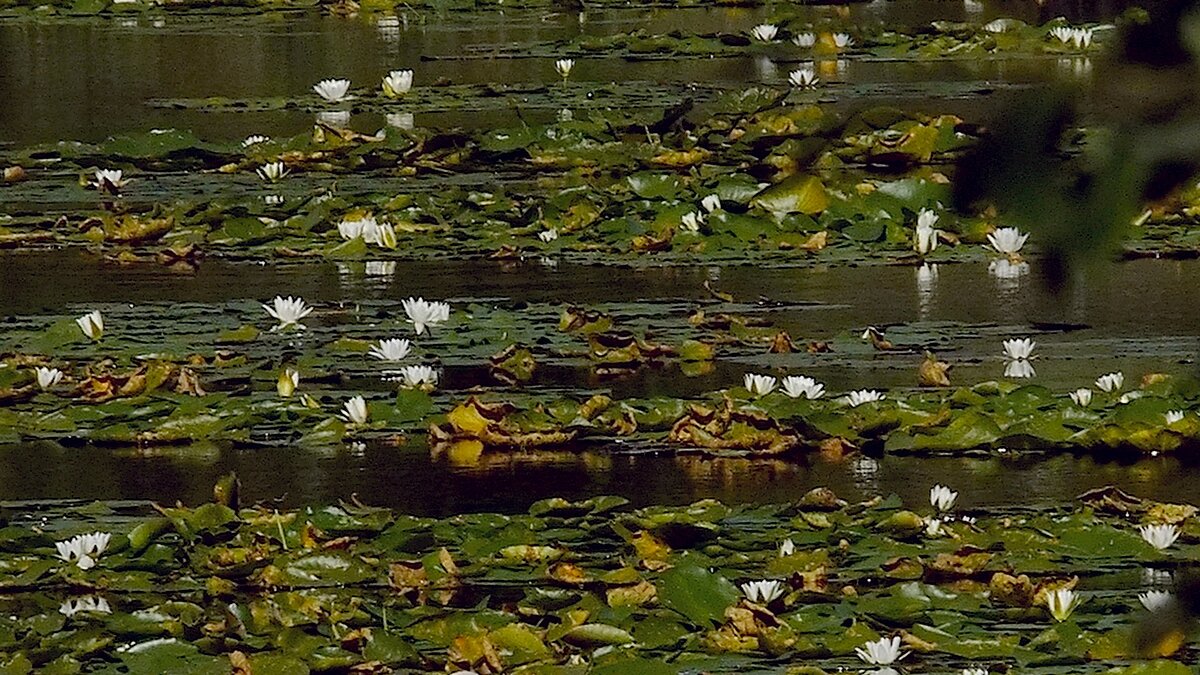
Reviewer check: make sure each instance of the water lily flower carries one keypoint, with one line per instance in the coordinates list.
(83, 549)
(92, 324)
(419, 376)
(273, 200)
(881, 652)
(393, 349)
(803, 78)
(1019, 369)
(996, 26)
(797, 386)
(397, 83)
(88, 603)
(1062, 33)
(974, 671)
(1007, 240)
(48, 377)
(762, 592)
(1174, 416)
(354, 411)
(1082, 397)
(933, 527)
(1110, 382)
(691, 221)
(289, 379)
(1159, 536)
(942, 498)
(422, 313)
(1081, 38)
(764, 32)
(272, 171)
(926, 239)
(1061, 602)
(255, 139)
(387, 236)
(548, 236)
(332, 90)
(564, 66)
(289, 311)
(842, 40)
(1155, 601)
(366, 227)
(1019, 349)
(857, 398)
(804, 40)
(711, 203)
(759, 385)
(109, 180)
(788, 547)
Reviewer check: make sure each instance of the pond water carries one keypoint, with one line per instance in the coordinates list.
(87, 79)
(1110, 318)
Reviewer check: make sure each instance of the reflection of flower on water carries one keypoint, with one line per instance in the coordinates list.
(866, 474)
(381, 268)
(388, 28)
(403, 121)
(1154, 576)
(334, 118)
(927, 277)
(765, 68)
(1019, 369)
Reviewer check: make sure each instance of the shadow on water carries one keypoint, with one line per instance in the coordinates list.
(407, 478)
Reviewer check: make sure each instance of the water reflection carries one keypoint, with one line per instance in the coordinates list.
(472, 479)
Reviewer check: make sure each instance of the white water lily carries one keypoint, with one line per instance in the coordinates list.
(397, 83)
(418, 376)
(288, 311)
(842, 40)
(787, 547)
(286, 383)
(1061, 602)
(110, 180)
(387, 236)
(1019, 370)
(764, 32)
(803, 78)
(48, 377)
(83, 549)
(366, 227)
(974, 671)
(710, 203)
(759, 385)
(1082, 397)
(1110, 382)
(1007, 240)
(691, 221)
(861, 396)
(332, 90)
(1019, 349)
(564, 66)
(272, 171)
(354, 411)
(996, 26)
(92, 324)
(424, 314)
(255, 139)
(881, 652)
(1081, 38)
(548, 236)
(802, 386)
(1155, 601)
(88, 603)
(393, 349)
(926, 238)
(762, 592)
(273, 200)
(804, 40)
(1174, 416)
(942, 498)
(933, 527)
(1159, 536)
(1063, 34)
